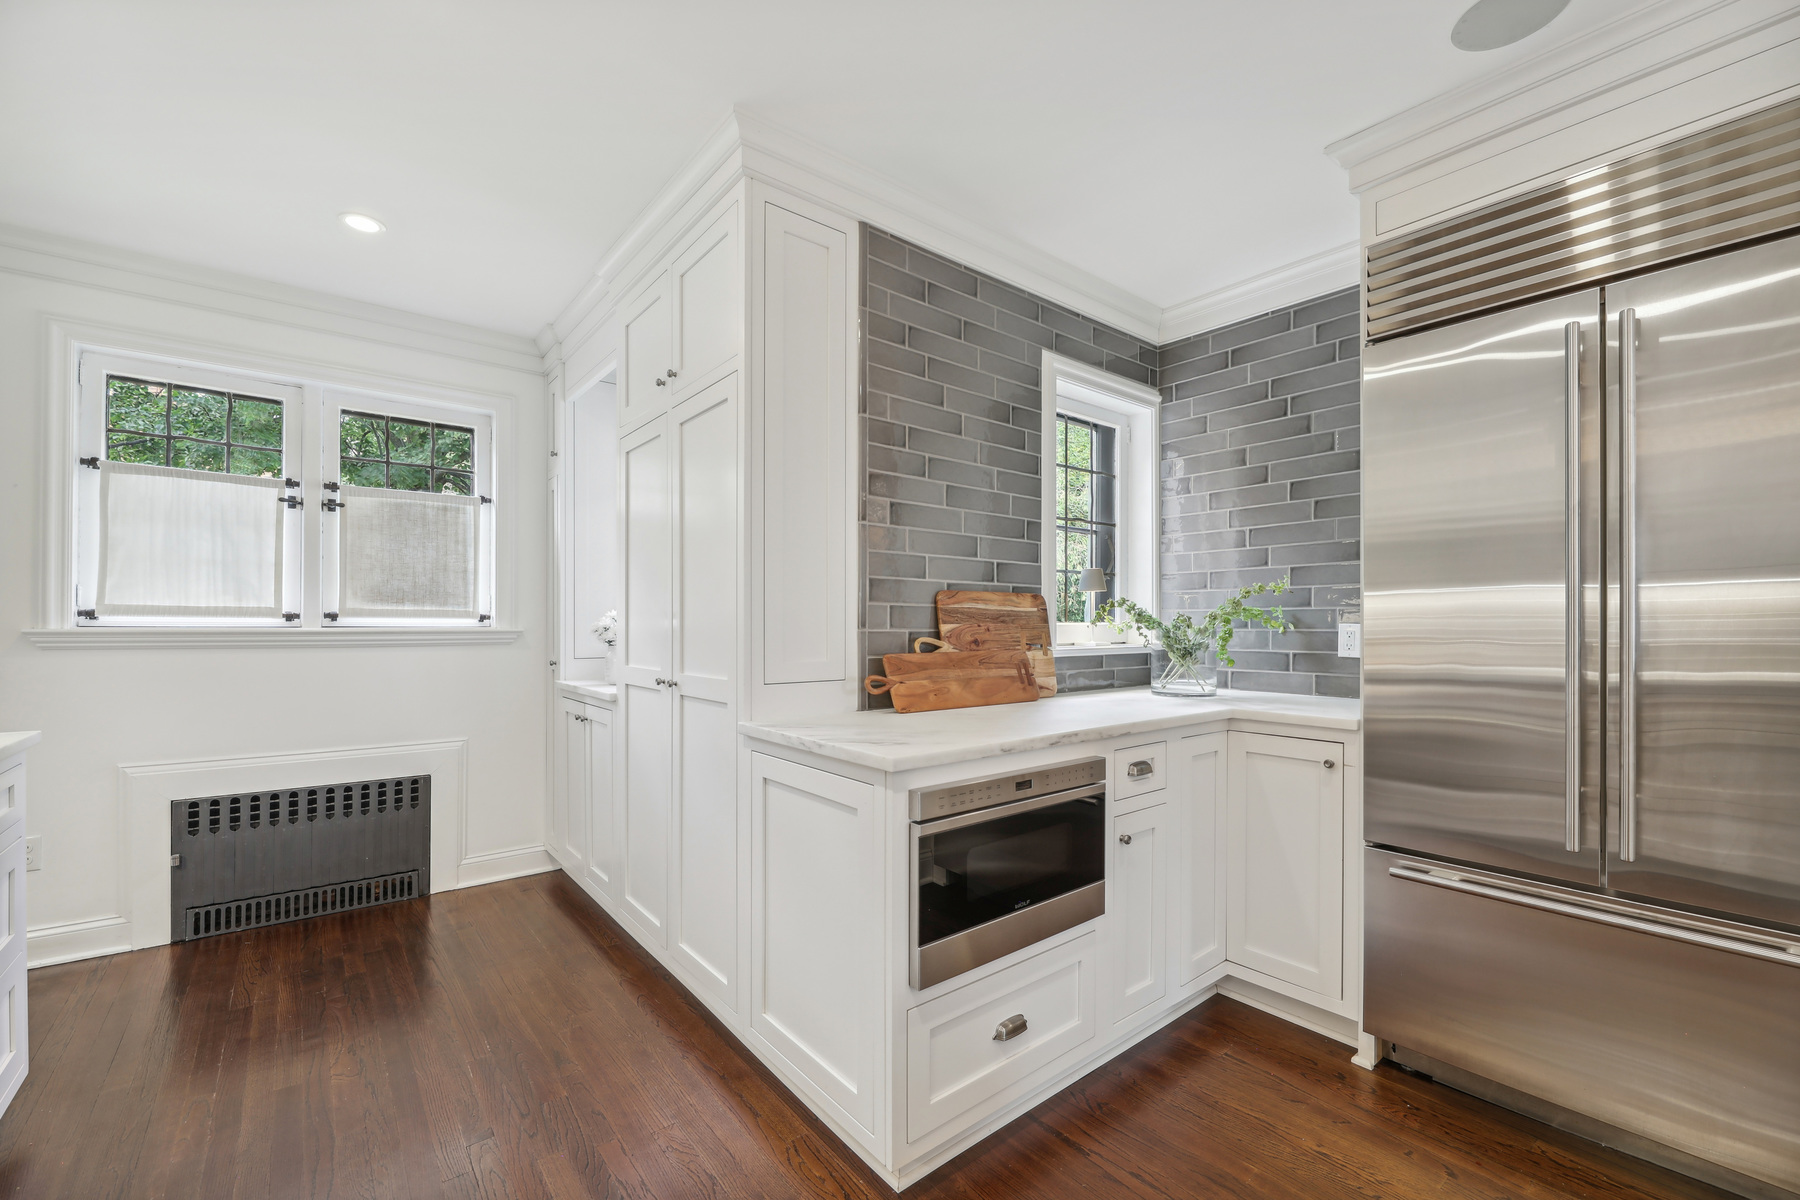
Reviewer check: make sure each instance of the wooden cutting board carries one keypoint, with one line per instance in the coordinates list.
(954, 679)
(1000, 621)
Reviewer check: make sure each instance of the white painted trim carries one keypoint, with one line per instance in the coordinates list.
(1303, 279)
(113, 637)
(31, 253)
(1136, 408)
(478, 869)
(71, 941)
(146, 790)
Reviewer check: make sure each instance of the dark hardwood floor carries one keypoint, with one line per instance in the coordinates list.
(510, 1041)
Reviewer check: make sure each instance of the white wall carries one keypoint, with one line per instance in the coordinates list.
(104, 707)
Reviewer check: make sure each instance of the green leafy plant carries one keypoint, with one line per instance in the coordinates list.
(1186, 640)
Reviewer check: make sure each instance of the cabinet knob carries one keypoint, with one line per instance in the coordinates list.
(1124, 839)
(1139, 769)
(1328, 764)
(1010, 1028)
(661, 382)
(660, 681)
(671, 372)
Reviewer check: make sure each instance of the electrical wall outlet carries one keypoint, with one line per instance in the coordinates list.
(1350, 640)
(34, 853)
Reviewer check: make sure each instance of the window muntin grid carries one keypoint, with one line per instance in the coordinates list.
(1087, 485)
(375, 450)
(201, 429)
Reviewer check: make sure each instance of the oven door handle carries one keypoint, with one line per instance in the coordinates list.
(1090, 795)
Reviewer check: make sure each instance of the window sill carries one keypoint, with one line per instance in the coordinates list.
(120, 636)
(1088, 649)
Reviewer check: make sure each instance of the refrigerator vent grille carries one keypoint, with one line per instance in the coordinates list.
(1721, 187)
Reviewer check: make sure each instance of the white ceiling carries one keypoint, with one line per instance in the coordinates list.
(1171, 147)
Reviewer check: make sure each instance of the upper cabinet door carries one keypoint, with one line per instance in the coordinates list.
(1475, 436)
(649, 354)
(707, 299)
(1707, 403)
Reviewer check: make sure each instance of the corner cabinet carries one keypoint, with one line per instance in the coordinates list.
(733, 352)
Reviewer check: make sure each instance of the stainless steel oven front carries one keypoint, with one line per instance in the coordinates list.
(1003, 862)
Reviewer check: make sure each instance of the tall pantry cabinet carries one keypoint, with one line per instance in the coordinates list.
(735, 367)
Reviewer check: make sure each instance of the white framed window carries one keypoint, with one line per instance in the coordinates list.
(408, 533)
(215, 498)
(1100, 434)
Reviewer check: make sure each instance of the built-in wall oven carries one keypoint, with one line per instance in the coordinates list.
(1004, 862)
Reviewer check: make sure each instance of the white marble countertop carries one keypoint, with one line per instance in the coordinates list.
(12, 743)
(578, 689)
(891, 741)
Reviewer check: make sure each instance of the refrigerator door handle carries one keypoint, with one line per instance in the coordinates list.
(1572, 632)
(1776, 951)
(1628, 586)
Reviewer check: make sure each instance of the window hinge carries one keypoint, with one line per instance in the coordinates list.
(331, 616)
(91, 461)
(330, 505)
(291, 501)
(485, 499)
(287, 616)
(290, 483)
(484, 618)
(86, 614)
(330, 485)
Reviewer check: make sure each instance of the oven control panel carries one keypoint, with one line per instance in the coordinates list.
(928, 803)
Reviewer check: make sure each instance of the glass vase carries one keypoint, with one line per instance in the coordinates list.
(1186, 677)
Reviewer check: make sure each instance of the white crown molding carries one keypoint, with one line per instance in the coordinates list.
(1301, 280)
(1670, 41)
(33, 253)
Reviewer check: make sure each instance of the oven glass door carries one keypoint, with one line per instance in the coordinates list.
(977, 867)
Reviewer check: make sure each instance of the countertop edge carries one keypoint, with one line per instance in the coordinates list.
(17, 741)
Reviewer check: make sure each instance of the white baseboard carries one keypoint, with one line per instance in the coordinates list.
(48, 945)
(478, 869)
(1295, 1012)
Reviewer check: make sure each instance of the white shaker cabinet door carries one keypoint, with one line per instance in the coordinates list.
(1199, 876)
(569, 803)
(1137, 913)
(705, 291)
(645, 700)
(649, 354)
(703, 442)
(602, 832)
(1285, 860)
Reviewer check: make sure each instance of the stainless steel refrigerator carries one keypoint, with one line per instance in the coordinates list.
(1582, 704)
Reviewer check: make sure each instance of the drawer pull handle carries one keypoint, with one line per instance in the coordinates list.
(1010, 1028)
(1124, 839)
(1139, 769)
(1328, 764)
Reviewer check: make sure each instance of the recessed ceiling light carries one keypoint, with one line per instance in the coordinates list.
(361, 223)
(1491, 24)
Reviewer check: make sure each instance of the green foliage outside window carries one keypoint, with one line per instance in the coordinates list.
(406, 455)
(167, 425)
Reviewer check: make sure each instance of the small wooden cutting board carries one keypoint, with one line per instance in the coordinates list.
(1000, 621)
(954, 679)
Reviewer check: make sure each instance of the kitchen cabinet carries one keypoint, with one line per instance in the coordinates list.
(1198, 883)
(685, 325)
(582, 834)
(1137, 913)
(1285, 860)
(14, 1039)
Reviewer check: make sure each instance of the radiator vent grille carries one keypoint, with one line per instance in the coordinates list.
(1725, 186)
(210, 919)
(261, 858)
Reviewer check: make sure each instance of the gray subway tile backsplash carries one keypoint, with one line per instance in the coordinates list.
(1259, 472)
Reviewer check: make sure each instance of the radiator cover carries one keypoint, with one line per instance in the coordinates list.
(264, 858)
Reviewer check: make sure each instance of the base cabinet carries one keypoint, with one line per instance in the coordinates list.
(1285, 860)
(14, 1044)
(1137, 913)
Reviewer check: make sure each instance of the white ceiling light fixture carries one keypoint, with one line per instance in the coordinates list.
(362, 223)
(1491, 24)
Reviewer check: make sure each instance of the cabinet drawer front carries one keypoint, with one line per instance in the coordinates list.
(12, 802)
(1151, 762)
(954, 1063)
